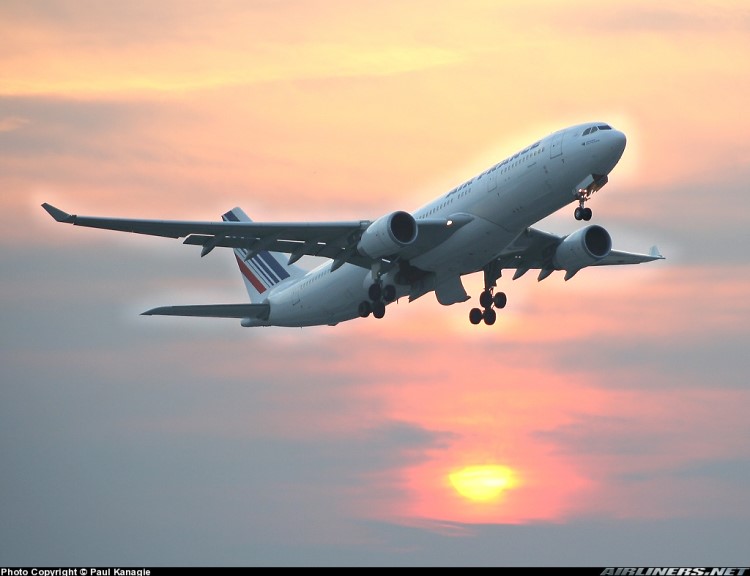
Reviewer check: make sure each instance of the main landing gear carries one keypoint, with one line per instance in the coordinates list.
(488, 300)
(379, 296)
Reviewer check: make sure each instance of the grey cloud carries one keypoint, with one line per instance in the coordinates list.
(584, 542)
(96, 471)
(705, 222)
(125, 441)
(732, 471)
(661, 459)
(710, 360)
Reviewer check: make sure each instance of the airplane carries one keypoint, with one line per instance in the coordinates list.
(483, 224)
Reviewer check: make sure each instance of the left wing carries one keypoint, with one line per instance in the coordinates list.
(318, 239)
(335, 240)
(535, 250)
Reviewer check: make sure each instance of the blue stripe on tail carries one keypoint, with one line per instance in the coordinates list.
(264, 265)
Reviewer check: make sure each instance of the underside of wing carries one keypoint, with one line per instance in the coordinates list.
(616, 257)
(331, 243)
(589, 246)
(255, 311)
(531, 250)
(433, 232)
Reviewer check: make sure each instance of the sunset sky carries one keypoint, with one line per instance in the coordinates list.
(601, 421)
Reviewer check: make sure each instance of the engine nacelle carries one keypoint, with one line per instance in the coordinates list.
(583, 248)
(388, 235)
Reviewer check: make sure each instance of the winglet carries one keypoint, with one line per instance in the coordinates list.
(57, 214)
(655, 253)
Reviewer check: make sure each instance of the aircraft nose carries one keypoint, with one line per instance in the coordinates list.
(607, 150)
(614, 145)
(618, 142)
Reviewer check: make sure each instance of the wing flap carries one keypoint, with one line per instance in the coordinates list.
(255, 311)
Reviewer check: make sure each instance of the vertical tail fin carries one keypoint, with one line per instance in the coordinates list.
(261, 270)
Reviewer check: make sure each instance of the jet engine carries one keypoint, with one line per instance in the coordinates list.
(582, 248)
(388, 235)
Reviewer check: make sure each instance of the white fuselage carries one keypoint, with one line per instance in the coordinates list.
(503, 201)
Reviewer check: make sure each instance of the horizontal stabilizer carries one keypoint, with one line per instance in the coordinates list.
(255, 311)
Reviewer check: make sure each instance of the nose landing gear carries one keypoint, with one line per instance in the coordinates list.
(581, 212)
(584, 191)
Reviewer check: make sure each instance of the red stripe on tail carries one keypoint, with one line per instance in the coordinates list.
(247, 273)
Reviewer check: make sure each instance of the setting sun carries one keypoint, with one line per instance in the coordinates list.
(483, 483)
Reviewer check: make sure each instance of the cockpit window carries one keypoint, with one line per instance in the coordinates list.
(596, 129)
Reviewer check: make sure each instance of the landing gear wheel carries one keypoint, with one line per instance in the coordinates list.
(485, 299)
(488, 300)
(582, 213)
(490, 316)
(365, 308)
(475, 316)
(389, 293)
(378, 309)
(374, 292)
(500, 300)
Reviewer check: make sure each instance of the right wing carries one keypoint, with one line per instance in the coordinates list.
(535, 249)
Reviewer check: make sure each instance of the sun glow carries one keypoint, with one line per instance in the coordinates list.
(483, 483)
